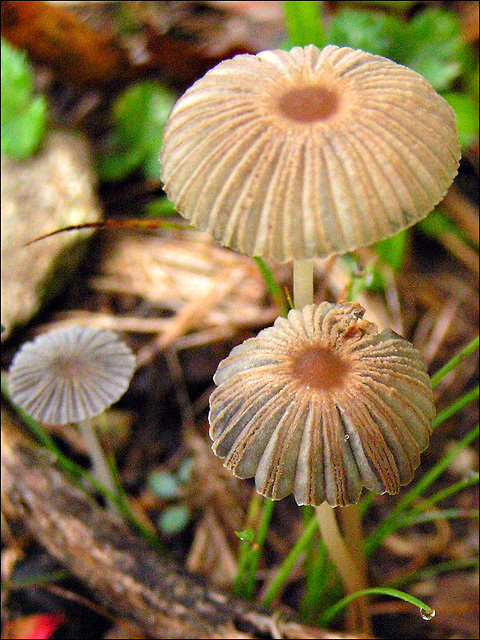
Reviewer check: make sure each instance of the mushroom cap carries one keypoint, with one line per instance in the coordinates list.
(322, 405)
(309, 152)
(70, 375)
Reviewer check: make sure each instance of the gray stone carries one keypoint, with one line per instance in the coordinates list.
(53, 189)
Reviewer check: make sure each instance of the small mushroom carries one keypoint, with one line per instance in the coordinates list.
(322, 405)
(70, 376)
(291, 155)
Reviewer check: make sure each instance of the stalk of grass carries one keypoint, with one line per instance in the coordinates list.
(430, 572)
(455, 361)
(245, 551)
(301, 546)
(160, 208)
(32, 582)
(385, 591)
(304, 23)
(441, 514)
(77, 473)
(316, 583)
(274, 289)
(392, 520)
(250, 553)
(366, 502)
(455, 407)
(431, 501)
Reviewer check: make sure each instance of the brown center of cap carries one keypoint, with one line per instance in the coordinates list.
(320, 368)
(308, 104)
(71, 368)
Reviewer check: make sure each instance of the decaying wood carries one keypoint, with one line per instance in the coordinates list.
(130, 579)
(57, 39)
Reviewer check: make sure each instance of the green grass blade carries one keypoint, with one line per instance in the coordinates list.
(303, 21)
(250, 553)
(35, 581)
(443, 514)
(455, 361)
(77, 473)
(455, 407)
(160, 208)
(430, 572)
(274, 289)
(385, 591)
(288, 564)
(261, 536)
(446, 493)
(391, 522)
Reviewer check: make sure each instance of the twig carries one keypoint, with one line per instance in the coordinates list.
(128, 577)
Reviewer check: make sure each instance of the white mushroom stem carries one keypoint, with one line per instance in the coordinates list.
(302, 283)
(351, 522)
(353, 578)
(100, 467)
(351, 572)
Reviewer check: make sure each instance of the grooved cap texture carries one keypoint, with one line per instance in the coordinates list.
(70, 375)
(321, 405)
(309, 152)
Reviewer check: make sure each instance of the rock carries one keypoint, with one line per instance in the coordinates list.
(53, 189)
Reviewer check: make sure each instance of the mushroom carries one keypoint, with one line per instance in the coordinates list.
(292, 155)
(69, 376)
(302, 154)
(321, 405)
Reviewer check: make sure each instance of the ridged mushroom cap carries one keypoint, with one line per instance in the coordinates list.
(70, 375)
(322, 405)
(309, 152)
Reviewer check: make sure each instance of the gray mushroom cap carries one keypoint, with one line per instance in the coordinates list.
(292, 155)
(321, 405)
(70, 375)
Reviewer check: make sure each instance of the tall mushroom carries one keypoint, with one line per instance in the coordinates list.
(293, 155)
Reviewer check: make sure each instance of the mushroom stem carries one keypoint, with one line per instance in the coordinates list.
(350, 567)
(344, 562)
(351, 523)
(100, 467)
(302, 282)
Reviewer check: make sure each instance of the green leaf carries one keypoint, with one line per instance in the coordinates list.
(245, 534)
(139, 116)
(399, 7)
(472, 81)
(304, 23)
(22, 134)
(174, 519)
(184, 470)
(17, 80)
(23, 111)
(393, 250)
(439, 223)
(436, 48)
(164, 485)
(370, 31)
(431, 43)
(467, 114)
(160, 208)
